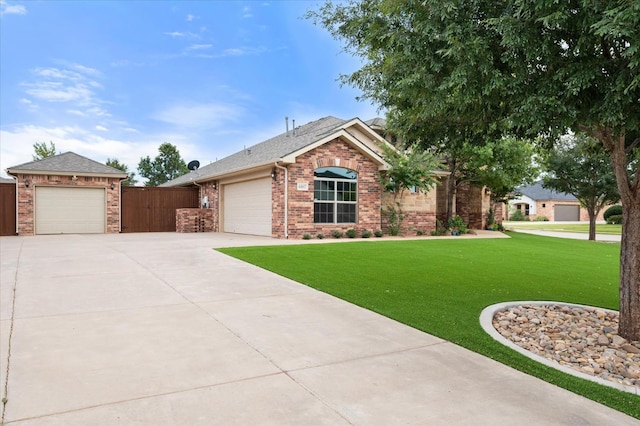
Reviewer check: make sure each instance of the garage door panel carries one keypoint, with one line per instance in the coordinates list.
(70, 210)
(247, 207)
(566, 213)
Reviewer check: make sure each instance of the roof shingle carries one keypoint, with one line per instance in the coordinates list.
(68, 162)
(537, 193)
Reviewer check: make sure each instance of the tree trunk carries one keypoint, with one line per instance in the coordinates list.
(592, 224)
(629, 326)
(451, 190)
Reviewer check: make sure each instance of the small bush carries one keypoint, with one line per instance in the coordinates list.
(440, 229)
(419, 232)
(378, 233)
(517, 216)
(365, 233)
(320, 236)
(457, 224)
(541, 219)
(352, 233)
(306, 236)
(337, 234)
(615, 219)
(612, 211)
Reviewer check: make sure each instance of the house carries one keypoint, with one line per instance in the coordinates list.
(312, 179)
(536, 201)
(67, 193)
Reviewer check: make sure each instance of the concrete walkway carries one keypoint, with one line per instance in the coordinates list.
(572, 235)
(159, 329)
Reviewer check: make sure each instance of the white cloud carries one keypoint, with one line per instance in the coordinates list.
(12, 9)
(199, 47)
(191, 17)
(246, 12)
(102, 128)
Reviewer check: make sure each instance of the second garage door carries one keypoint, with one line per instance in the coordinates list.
(566, 213)
(70, 210)
(247, 207)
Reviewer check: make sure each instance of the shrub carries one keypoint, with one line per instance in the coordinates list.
(337, 234)
(457, 224)
(419, 232)
(440, 229)
(612, 211)
(352, 233)
(365, 233)
(615, 219)
(306, 236)
(517, 216)
(320, 236)
(394, 218)
(378, 233)
(541, 219)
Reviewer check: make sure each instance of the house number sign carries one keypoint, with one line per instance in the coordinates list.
(303, 186)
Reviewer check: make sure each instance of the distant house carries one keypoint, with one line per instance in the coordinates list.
(312, 179)
(536, 201)
(67, 193)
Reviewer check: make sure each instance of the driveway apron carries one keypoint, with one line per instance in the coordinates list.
(160, 329)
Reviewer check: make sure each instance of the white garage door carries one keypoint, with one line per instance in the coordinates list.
(247, 207)
(566, 213)
(70, 210)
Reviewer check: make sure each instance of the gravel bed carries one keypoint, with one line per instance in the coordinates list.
(584, 339)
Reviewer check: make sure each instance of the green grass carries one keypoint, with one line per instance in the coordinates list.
(583, 228)
(441, 286)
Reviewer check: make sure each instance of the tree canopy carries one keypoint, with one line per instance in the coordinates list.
(470, 71)
(131, 180)
(167, 165)
(42, 150)
(581, 167)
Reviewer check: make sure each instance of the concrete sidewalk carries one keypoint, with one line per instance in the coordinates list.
(159, 329)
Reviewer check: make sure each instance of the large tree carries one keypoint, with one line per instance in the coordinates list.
(581, 167)
(131, 180)
(167, 165)
(527, 67)
(42, 150)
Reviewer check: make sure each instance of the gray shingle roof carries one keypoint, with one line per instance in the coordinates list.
(7, 180)
(68, 162)
(376, 122)
(270, 150)
(537, 193)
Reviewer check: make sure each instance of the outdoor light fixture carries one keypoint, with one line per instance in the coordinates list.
(113, 186)
(214, 185)
(27, 183)
(273, 174)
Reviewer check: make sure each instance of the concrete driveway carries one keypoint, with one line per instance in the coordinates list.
(159, 329)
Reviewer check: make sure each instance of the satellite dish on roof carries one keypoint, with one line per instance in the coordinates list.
(193, 165)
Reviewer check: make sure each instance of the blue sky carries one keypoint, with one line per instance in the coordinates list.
(115, 79)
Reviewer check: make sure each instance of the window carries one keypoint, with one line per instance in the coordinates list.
(335, 195)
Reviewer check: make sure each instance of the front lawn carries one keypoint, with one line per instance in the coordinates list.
(581, 228)
(441, 286)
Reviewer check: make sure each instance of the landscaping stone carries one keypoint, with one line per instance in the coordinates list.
(584, 339)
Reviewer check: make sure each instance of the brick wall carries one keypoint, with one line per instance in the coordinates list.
(194, 220)
(26, 197)
(335, 153)
(212, 191)
(418, 208)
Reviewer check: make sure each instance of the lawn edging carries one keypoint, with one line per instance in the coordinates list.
(486, 321)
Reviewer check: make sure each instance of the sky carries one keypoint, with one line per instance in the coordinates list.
(115, 79)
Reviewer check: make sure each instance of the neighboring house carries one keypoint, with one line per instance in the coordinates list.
(536, 201)
(312, 179)
(67, 193)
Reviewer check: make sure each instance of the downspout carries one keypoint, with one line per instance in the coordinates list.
(286, 200)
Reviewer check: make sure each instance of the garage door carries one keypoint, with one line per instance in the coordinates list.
(70, 210)
(247, 207)
(564, 213)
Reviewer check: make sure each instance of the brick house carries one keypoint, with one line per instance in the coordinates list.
(67, 193)
(536, 201)
(312, 179)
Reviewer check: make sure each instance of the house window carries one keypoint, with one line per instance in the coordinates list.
(335, 195)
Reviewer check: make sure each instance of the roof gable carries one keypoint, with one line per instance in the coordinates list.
(66, 164)
(285, 147)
